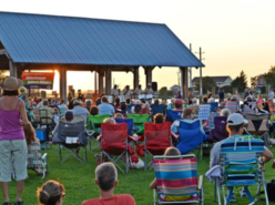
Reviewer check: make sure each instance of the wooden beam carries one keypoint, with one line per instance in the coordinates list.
(136, 76)
(3, 51)
(108, 81)
(100, 82)
(63, 83)
(184, 82)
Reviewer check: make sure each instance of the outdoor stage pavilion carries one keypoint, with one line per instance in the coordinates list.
(42, 42)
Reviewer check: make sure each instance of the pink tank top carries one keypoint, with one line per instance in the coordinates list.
(10, 125)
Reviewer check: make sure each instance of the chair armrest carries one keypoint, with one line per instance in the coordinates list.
(98, 138)
(90, 132)
(44, 157)
(134, 138)
(174, 136)
(200, 182)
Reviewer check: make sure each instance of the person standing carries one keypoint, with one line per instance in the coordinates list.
(70, 97)
(138, 91)
(115, 92)
(179, 96)
(149, 90)
(246, 94)
(12, 138)
(127, 92)
(270, 95)
(221, 95)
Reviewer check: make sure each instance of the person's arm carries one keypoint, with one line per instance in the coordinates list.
(273, 164)
(153, 185)
(267, 155)
(23, 113)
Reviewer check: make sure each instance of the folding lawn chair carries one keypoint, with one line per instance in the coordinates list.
(258, 125)
(177, 180)
(35, 160)
(130, 108)
(213, 106)
(46, 119)
(139, 121)
(219, 133)
(172, 115)
(94, 123)
(232, 106)
(129, 122)
(190, 137)
(114, 144)
(71, 136)
(156, 109)
(204, 112)
(271, 106)
(157, 137)
(242, 165)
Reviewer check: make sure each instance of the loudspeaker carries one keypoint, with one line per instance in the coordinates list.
(155, 86)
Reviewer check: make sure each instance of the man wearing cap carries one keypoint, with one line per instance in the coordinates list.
(235, 127)
(137, 109)
(149, 90)
(78, 110)
(115, 92)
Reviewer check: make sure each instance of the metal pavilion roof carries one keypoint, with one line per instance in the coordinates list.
(33, 38)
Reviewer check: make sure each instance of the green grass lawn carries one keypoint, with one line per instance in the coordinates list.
(78, 180)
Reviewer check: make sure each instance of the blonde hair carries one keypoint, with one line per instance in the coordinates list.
(260, 96)
(109, 120)
(50, 192)
(171, 151)
(29, 133)
(118, 115)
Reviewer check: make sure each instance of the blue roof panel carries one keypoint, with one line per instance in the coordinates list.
(33, 38)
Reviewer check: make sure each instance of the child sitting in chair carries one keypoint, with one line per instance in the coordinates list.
(171, 151)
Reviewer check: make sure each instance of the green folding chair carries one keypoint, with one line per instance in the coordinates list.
(94, 123)
(139, 121)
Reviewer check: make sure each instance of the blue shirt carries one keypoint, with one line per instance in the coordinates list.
(105, 108)
(81, 111)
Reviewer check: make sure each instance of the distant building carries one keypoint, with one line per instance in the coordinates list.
(221, 81)
(175, 88)
(260, 81)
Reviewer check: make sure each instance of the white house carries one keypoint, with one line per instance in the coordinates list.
(221, 81)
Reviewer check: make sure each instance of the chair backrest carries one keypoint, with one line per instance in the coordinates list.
(190, 136)
(139, 119)
(249, 109)
(219, 132)
(232, 105)
(45, 117)
(114, 133)
(129, 108)
(129, 122)
(156, 109)
(257, 122)
(176, 175)
(78, 118)
(214, 106)
(172, 115)
(204, 112)
(41, 135)
(239, 160)
(70, 133)
(34, 155)
(94, 122)
(157, 131)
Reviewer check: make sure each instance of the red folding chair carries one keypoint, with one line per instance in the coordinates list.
(157, 137)
(114, 144)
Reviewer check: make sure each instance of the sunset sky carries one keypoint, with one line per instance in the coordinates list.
(235, 35)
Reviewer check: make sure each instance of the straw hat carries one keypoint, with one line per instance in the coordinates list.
(11, 84)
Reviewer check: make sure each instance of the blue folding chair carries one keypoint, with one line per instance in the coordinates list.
(156, 109)
(129, 122)
(242, 165)
(129, 108)
(190, 137)
(172, 115)
(213, 106)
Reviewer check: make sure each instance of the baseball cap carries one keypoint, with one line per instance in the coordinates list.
(69, 115)
(178, 101)
(235, 119)
(137, 107)
(149, 84)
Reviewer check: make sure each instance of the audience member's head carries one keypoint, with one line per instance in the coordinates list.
(235, 124)
(187, 114)
(104, 99)
(128, 101)
(109, 120)
(94, 110)
(204, 99)
(69, 116)
(45, 102)
(137, 102)
(62, 102)
(71, 104)
(225, 112)
(171, 151)
(158, 118)
(137, 108)
(29, 133)
(118, 116)
(77, 103)
(51, 193)
(178, 104)
(123, 106)
(249, 99)
(98, 101)
(117, 102)
(234, 98)
(156, 101)
(194, 101)
(88, 103)
(106, 176)
(146, 106)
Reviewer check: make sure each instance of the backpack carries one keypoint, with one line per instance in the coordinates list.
(270, 187)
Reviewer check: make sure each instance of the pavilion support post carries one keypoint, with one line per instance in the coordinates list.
(13, 69)
(108, 82)
(148, 73)
(19, 73)
(136, 77)
(184, 81)
(63, 83)
(100, 82)
(95, 81)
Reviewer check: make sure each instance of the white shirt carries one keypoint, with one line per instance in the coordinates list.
(149, 91)
(115, 92)
(270, 96)
(138, 91)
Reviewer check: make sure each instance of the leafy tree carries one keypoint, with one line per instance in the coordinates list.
(240, 82)
(207, 84)
(270, 76)
(253, 81)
